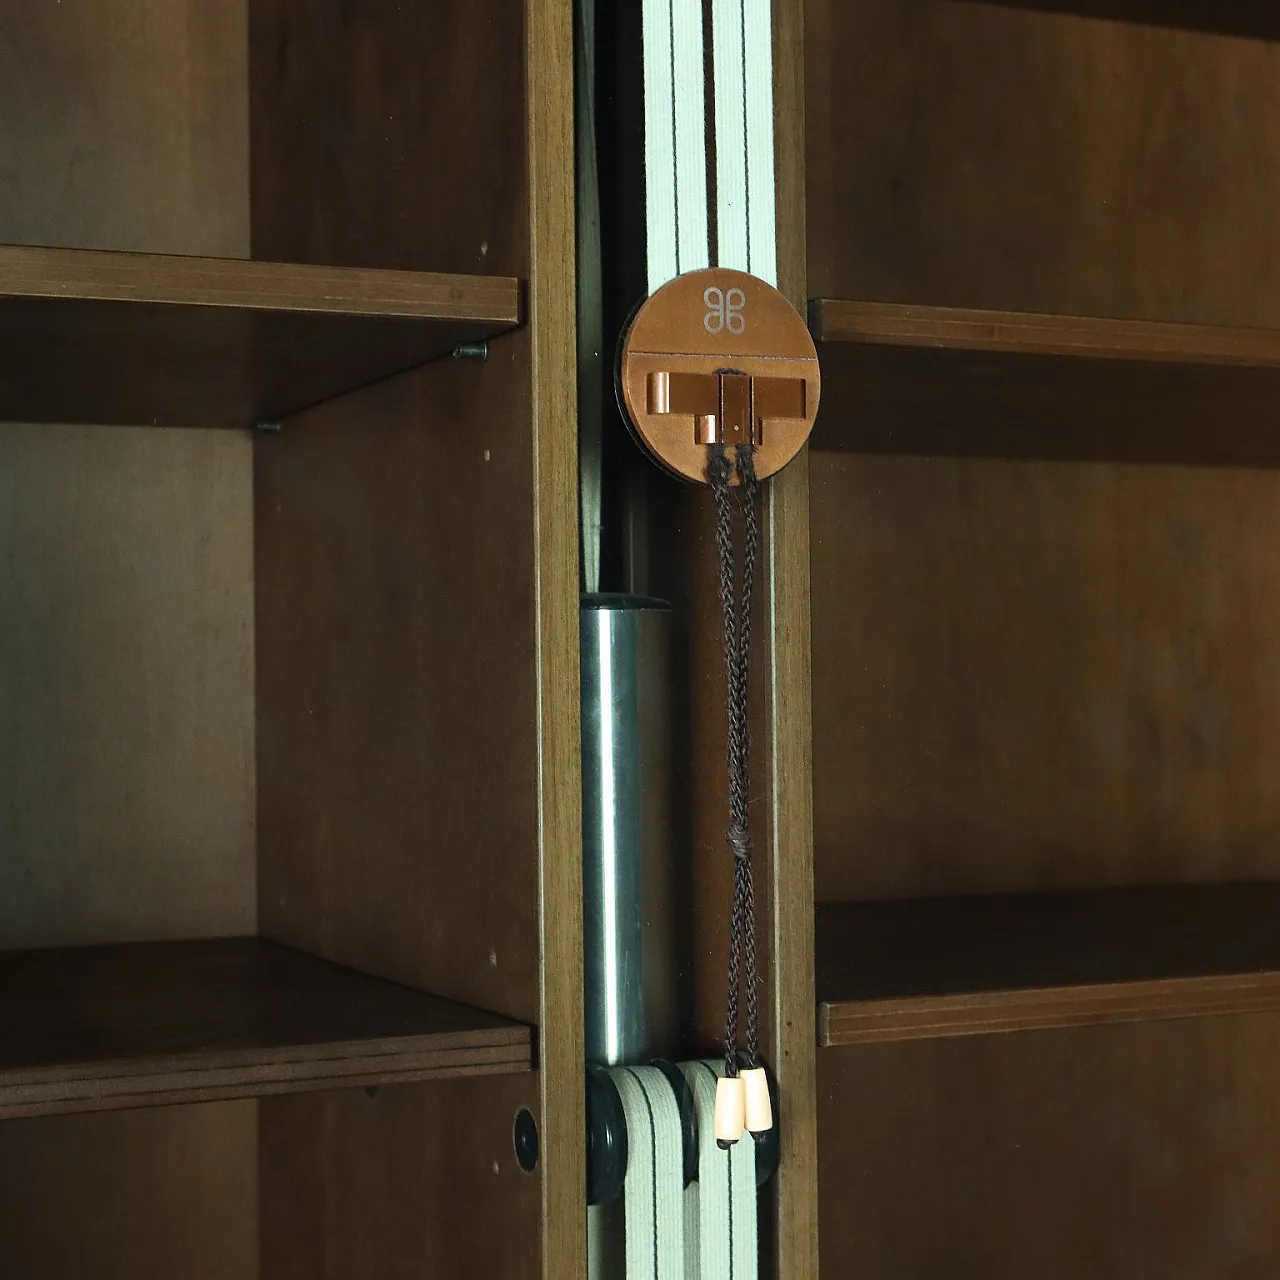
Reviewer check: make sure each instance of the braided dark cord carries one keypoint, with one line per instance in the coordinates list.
(719, 475)
(737, 644)
(751, 548)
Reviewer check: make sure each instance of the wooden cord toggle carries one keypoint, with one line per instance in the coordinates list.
(731, 1110)
(758, 1107)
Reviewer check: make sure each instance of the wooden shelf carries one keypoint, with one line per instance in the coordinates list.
(125, 338)
(929, 968)
(1257, 21)
(1027, 333)
(99, 1028)
(909, 379)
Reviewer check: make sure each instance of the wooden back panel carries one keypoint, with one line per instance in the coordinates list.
(128, 658)
(416, 565)
(128, 579)
(1033, 675)
(391, 135)
(399, 1183)
(397, 756)
(1039, 674)
(1044, 674)
(127, 763)
(362, 152)
(124, 124)
(1143, 1150)
(132, 1195)
(980, 155)
(395, 567)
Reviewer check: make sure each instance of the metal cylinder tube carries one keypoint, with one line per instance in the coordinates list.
(626, 727)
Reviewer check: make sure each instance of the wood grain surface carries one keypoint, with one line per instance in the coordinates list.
(392, 135)
(95, 1028)
(996, 156)
(133, 130)
(1257, 20)
(1038, 675)
(553, 389)
(790, 727)
(959, 403)
(132, 1195)
(397, 713)
(398, 1183)
(1083, 696)
(177, 341)
(128, 746)
(945, 380)
(1148, 1149)
(129, 755)
(981, 965)
(841, 320)
(126, 126)
(981, 1013)
(181, 280)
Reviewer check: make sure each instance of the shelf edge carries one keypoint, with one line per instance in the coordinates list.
(86, 275)
(844, 1023)
(133, 1089)
(837, 320)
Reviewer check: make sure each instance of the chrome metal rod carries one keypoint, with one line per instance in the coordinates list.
(629, 966)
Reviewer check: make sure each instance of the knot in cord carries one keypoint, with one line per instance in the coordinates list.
(719, 468)
(739, 839)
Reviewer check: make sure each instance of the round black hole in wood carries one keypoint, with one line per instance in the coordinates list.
(525, 1136)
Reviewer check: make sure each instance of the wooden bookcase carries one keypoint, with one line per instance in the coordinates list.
(290, 887)
(289, 905)
(1037, 241)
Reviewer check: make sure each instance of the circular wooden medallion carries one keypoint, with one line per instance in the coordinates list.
(718, 356)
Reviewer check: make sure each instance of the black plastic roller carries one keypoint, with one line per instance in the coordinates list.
(606, 1139)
